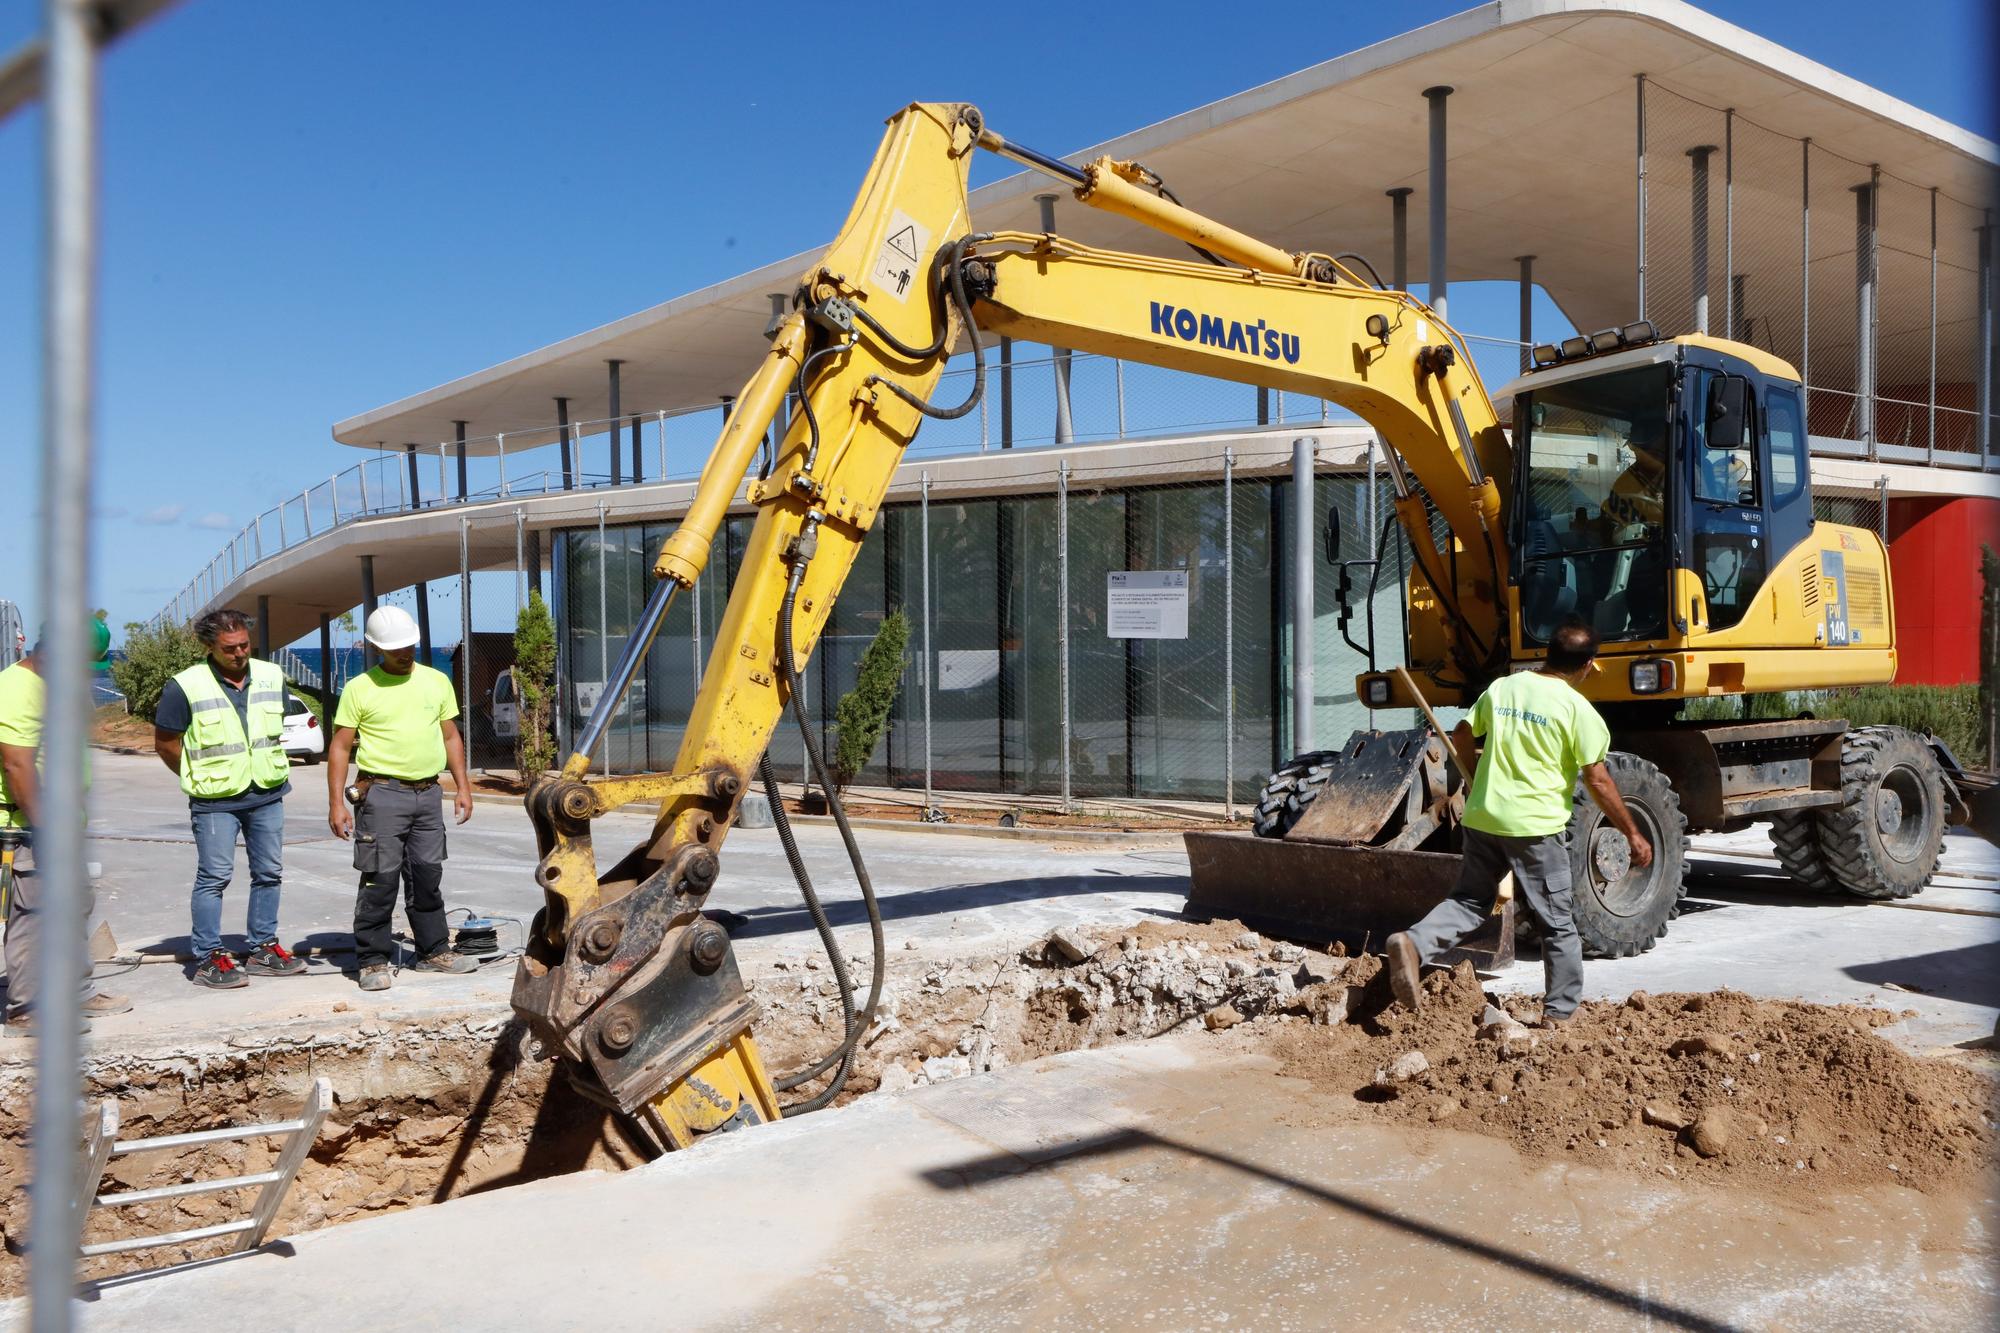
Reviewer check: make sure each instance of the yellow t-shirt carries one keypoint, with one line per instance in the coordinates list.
(395, 721)
(23, 699)
(1539, 733)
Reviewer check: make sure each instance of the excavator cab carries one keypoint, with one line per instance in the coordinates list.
(1661, 486)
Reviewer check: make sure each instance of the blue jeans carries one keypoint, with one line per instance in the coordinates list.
(215, 858)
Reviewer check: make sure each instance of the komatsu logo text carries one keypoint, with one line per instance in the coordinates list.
(1258, 339)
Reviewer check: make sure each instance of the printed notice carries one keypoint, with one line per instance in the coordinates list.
(1146, 604)
(900, 261)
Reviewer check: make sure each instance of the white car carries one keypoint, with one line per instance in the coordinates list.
(506, 708)
(302, 735)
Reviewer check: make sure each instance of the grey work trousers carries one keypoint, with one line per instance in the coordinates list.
(399, 843)
(1542, 884)
(24, 934)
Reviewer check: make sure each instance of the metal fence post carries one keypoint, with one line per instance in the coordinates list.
(1729, 223)
(1229, 632)
(924, 529)
(663, 444)
(1882, 507)
(1805, 283)
(333, 496)
(1930, 433)
(465, 618)
(1118, 377)
(1062, 619)
(1303, 620)
(603, 627)
(1642, 196)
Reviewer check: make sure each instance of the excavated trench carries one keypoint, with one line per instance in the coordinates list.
(1788, 1099)
(428, 1112)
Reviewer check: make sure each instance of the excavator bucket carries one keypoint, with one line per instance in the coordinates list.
(1352, 846)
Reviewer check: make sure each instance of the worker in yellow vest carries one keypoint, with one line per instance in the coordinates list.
(217, 728)
(395, 721)
(23, 700)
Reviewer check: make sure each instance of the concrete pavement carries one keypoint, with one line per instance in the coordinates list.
(1171, 1184)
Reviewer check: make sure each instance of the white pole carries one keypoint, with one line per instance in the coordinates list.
(924, 514)
(1062, 618)
(1229, 632)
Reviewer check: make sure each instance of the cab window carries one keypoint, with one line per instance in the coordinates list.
(1721, 475)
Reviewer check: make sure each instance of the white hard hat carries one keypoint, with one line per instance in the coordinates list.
(390, 627)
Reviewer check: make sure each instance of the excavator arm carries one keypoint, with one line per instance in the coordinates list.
(623, 975)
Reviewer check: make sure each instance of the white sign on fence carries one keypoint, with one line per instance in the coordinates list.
(1146, 604)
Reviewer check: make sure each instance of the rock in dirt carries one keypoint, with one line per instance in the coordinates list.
(1445, 1109)
(895, 1078)
(1316, 968)
(1665, 1117)
(1069, 946)
(1637, 1000)
(1220, 1017)
(1704, 1043)
(1408, 1065)
(1249, 939)
(1286, 953)
(1711, 1131)
(944, 1068)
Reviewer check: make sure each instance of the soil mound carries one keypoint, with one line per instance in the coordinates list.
(1778, 1094)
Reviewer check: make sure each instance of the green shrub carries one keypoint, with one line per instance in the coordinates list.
(534, 683)
(864, 710)
(153, 656)
(1950, 712)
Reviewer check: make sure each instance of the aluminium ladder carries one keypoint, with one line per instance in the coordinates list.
(300, 1132)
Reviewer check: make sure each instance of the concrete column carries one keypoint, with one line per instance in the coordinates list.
(1527, 327)
(535, 564)
(1986, 339)
(326, 665)
(1065, 424)
(367, 607)
(562, 425)
(423, 592)
(1006, 393)
(1698, 235)
(416, 492)
(1440, 267)
(1399, 228)
(1304, 561)
(263, 626)
(638, 466)
(1864, 312)
(459, 428)
(611, 431)
(1740, 321)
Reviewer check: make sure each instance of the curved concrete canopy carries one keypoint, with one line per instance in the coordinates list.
(1541, 162)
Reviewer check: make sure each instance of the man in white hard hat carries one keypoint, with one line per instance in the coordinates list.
(396, 723)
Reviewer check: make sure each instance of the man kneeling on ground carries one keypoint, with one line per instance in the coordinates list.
(1539, 732)
(397, 723)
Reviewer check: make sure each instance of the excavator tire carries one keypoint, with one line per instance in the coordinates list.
(1795, 836)
(1620, 911)
(1290, 790)
(1885, 837)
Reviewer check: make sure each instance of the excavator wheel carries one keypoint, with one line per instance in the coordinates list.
(1795, 836)
(1621, 911)
(1289, 791)
(1885, 838)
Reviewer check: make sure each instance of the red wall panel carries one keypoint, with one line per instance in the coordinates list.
(1934, 568)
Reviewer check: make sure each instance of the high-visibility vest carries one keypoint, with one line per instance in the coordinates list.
(217, 758)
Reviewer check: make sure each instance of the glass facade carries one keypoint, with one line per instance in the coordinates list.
(1148, 716)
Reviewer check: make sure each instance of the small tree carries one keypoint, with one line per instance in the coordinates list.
(153, 656)
(534, 683)
(864, 710)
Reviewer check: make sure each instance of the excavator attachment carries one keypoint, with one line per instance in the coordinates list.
(1349, 846)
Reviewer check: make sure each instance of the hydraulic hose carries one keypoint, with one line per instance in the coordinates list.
(783, 821)
(955, 278)
(845, 1051)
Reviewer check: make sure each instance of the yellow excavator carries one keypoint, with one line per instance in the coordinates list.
(1655, 486)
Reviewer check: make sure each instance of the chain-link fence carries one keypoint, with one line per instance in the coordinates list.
(1093, 628)
(1867, 282)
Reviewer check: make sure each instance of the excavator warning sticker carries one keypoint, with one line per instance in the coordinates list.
(1833, 596)
(898, 268)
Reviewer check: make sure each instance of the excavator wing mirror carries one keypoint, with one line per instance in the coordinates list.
(1728, 412)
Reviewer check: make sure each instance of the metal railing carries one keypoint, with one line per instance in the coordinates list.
(1107, 399)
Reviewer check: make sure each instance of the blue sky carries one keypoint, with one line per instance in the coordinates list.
(310, 210)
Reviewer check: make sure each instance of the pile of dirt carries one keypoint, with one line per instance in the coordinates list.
(1776, 1094)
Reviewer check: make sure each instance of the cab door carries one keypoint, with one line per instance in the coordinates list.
(1728, 525)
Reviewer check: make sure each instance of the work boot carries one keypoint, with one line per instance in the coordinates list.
(101, 1005)
(375, 976)
(220, 971)
(22, 1023)
(272, 959)
(1404, 963)
(444, 960)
